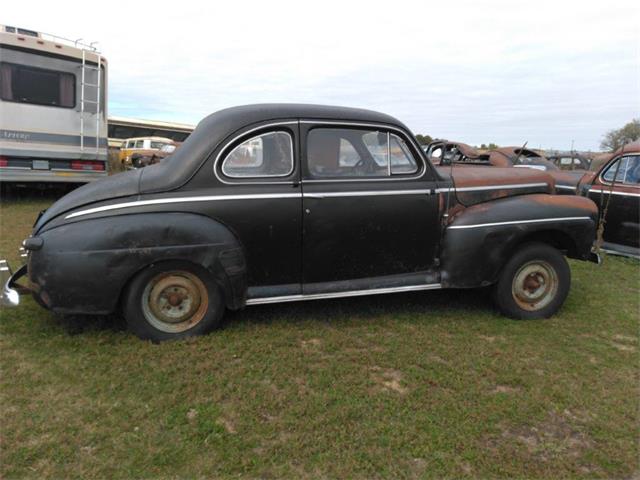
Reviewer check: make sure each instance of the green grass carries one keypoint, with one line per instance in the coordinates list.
(432, 384)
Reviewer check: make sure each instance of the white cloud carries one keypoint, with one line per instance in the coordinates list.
(545, 71)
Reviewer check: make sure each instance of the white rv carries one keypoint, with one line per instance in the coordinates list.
(53, 109)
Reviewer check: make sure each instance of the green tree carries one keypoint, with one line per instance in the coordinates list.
(424, 139)
(614, 139)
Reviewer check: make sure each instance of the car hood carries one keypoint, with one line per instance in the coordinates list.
(120, 185)
(475, 185)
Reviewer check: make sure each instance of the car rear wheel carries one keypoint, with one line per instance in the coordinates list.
(534, 283)
(173, 300)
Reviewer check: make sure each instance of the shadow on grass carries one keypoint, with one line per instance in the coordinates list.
(446, 304)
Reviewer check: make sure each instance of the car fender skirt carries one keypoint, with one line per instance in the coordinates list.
(84, 266)
(480, 239)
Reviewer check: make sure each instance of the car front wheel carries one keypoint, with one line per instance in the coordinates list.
(172, 300)
(534, 283)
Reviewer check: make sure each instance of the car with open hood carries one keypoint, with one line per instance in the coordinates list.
(282, 202)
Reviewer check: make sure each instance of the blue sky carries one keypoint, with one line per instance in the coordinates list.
(546, 72)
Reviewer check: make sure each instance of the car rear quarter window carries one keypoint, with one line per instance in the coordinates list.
(351, 152)
(266, 155)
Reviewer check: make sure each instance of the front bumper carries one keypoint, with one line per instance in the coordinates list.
(11, 290)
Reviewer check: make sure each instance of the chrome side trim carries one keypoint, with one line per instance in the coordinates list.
(516, 222)
(491, 187)
(368, 193)
(351, 293)
(605, 191)
(566, 187)
(162, 201)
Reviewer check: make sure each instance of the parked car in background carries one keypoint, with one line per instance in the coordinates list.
(140, 148)
(140, 160)
(520, 157)
(278, 203)
(445, 152)
(570, 161)
(615, 187)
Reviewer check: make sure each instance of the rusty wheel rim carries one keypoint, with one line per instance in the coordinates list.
(175, 301)
(535, 285)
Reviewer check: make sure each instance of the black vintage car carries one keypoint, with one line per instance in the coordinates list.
(278, 203)
(615, 187)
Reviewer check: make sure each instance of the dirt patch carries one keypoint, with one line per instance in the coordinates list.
(311, 344)
(505, 389)
(437, 359)
(622, 347)
(389, 380)
(490, 338)
(227, 424)
(552, 438)
(625, 339)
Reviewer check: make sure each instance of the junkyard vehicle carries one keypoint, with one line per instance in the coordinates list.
(140, 160)
(520, 157)
(139, 148)
(570, 161)
(278, 203)
(619, 199)
(444, 152)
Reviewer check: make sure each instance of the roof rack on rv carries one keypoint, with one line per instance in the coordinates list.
(50, 37)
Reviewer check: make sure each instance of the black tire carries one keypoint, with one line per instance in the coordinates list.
(534, 283)
(172, 300)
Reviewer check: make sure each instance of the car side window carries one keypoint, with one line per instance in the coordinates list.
(139, 144)
(265, 155)
(402, 162)
(628, 171)
(347, 152)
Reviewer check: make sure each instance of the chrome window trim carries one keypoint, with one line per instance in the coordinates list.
(350, 293)
(262, 176)
(516, 222)
(248, 132)
(604, 170)
(402, 134)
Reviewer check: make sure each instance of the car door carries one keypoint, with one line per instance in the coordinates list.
(622, 225)
(370, 209)
(259, 178)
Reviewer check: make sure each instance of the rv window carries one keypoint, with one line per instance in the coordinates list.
(19, 83)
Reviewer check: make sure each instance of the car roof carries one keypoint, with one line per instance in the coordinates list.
(215, 128)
